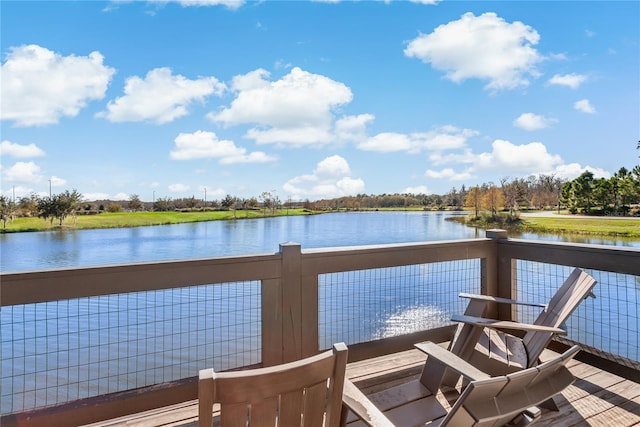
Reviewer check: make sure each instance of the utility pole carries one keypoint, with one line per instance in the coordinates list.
(49, 188)
(205, 197)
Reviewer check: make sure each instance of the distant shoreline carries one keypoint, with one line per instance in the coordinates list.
(538, 222)
(552, 223)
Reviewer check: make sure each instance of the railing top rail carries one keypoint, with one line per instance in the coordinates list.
(394, 246)
(617, 259)
(331, 260)
(59, 284)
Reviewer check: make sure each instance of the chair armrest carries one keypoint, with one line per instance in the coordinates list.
(500, 300)
(505, 324)
(357, 402)
(451, 361)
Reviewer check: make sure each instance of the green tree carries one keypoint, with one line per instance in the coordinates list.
(270, 201)
(47, 209)
(28, 205)
(68, 203)
(135, 204)
(115, 207)
(163, 204)
(515, 193)
(583, 188)
(568, 197)
(8, 210)
(228, 202)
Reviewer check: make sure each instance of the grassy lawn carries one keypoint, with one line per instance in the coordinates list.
(600, 226)
(137, 219)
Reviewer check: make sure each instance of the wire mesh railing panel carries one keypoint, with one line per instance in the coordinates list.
(610, 322)
(364, 305)
(61, 351)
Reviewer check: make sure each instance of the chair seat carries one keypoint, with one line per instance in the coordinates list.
(499, 353)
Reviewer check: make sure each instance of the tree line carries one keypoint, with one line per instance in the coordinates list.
(617, 195)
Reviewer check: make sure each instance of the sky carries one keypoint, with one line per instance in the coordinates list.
(312, 100)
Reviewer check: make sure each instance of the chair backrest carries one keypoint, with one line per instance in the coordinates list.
(574, 289)
(497, 400)
(309, 389)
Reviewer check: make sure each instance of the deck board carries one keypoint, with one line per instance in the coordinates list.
(597, 398)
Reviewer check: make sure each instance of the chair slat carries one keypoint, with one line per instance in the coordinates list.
(306, 393)
(291, 407)
(234, 415)
(314, 404)
(264, 414)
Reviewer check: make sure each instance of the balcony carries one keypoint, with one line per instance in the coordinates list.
(93, 345)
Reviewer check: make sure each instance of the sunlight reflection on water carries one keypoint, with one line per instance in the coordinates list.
(414, 319)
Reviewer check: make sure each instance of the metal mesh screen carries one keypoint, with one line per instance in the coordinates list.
(360, 306)
(608, 323)
(61, 351)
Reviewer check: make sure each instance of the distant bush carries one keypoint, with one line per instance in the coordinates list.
(115, 207)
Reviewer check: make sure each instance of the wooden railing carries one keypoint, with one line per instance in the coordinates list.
(289, 299)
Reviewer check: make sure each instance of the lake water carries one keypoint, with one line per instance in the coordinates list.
(72, 248)
(139, 339)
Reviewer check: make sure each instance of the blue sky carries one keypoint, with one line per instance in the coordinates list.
(312, 100)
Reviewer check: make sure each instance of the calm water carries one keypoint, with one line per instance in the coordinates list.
(57, 249)
(140, 339)
(69, 248)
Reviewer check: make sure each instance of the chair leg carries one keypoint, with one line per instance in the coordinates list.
(550, 404)
(528, 417)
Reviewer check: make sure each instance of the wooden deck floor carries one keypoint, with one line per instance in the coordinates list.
(597, 398)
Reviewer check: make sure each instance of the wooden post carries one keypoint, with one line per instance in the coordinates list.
(506, 275)
(272, 322)
(492, 270)
(291, 280)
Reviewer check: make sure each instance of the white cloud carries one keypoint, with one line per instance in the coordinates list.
(505, 157)
(530, 121)
(584, 106)
(573, 170)
(57, 182)
(212, 192)
(442, 138)
(484, 47)
(231, 4)
(22, 191)
(517, 158)
(330, 179)
(8, 148)
(298, 109)
(448, 174)
(178, 188)
(121, 196)
(428, 2)
(90, 197)
(419, 189)
(40, 86)
(27, 172)
(570, 80)
(160, 97)
(203, 145)
(353, 128)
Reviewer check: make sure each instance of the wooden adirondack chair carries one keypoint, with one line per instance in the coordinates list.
(308, 390)
(486, 401)
(486, 344)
